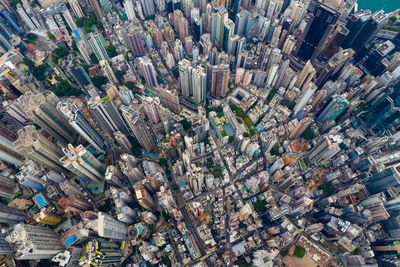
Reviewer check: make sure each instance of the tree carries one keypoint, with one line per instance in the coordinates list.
(223, 133)
(130, 84)
(275, 150)
(287, 103)
(284, 252)
(93, 58)
(39, 72)
(175, 72)
(60, 52)
(260, 206)
(231, 139)
(120, 76)
(99, 81)
(111, 51)
(327, 188)
(246, 134)
(74, 47)
(186, 125)
(136, 147)
(163, 163)
(29, 62)
(63, 88)
(152, 228)
(31, 36)
(271, 95)
(308, 133)
(79, 22)
(299, 252)
(51, 36)
(175, 187)
(14, 3)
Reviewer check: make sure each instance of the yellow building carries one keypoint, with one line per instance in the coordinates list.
(46, 218)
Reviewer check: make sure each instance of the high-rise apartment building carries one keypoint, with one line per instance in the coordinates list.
(108, 71)
(8, 153)
(75, 203)
(108, 227)
(143, 197)
(185, 77)
(148, 71)
(41, 108)
(135, 42)
(199, 84)
(306, 75)
(129, 10)
(76, 8)
(34, 243)
(11, 215)
(35, 146)
(139, 128)
(219, 80)
(98, 46)
(122, 140)
(151, 106)
(107, 115)
(78, 121)
(83, 163)
(147, 7)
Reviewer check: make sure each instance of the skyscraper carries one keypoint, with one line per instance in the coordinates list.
(151, 106)
(148, 71)
(96, 8)
(229, 28)
(78, 121)
(185, 77)
(108, 71)
(139, 128)
(76, 8)
(10, 215)
(98, 46)
(305, 76)
(332, 109)
(147, 7)
(199, 84)
(143, 197)
(107, 6)
(41, 109)
(136, 43)
(34, 242)
(38, 148)
(83, 163)
(321, 20)
(108, 227)
(123, 141)
(383, 180)
(241, 22)
(8, 153)
(219, 80)
(129, 10)
(363, 26)
(75, 203)
(107, 115)
(300, 127)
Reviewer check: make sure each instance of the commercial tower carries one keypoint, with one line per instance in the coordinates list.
(98, 46)
(38, 148)
(41, 108)
(148, 71)
(83, 163)
(332, 109)
(8, 153)
(320, 22)
(306, 75)
(384, 180)
(363, 26)
(107, 115)
(139, 128)
(219, 80)
(78, 121)
(34, 243)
